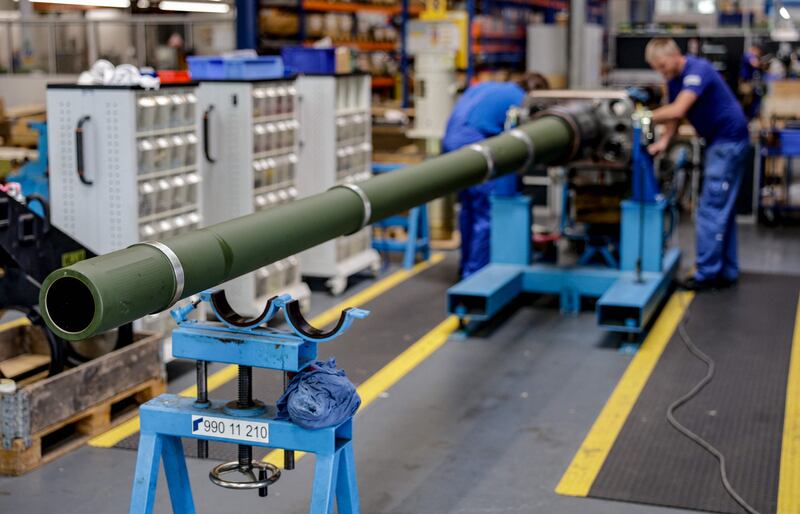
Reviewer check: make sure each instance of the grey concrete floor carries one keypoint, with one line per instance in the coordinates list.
(485, 425)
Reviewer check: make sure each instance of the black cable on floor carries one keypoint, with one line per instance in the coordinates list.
(709, 362)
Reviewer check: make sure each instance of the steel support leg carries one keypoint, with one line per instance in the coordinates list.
(325, 478)
(180, 490)
(145, 477)
(347, 499)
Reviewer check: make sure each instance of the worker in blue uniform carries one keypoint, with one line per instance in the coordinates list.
(481, 113)
(698, 93)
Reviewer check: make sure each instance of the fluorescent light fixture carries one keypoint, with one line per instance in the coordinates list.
(171, 5)
(120, 4)
(784, 13)
(706, 6)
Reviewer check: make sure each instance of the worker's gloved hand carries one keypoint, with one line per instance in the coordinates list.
(658, 147)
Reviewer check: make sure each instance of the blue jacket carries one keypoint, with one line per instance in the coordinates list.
(480, 113)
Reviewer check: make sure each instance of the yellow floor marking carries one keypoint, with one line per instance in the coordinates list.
(18, 322)
(789, 482)
(579, 477)
(390, 374)
(228, 373)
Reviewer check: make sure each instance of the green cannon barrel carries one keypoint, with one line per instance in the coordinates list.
(105, 292)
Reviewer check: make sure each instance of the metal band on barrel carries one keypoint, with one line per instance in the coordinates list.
(364, 201)
(177, 267)
(487, 154)
(525, 138)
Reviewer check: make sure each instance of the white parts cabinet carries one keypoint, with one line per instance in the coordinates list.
(123, 166)
(248, 160)
(336, 148)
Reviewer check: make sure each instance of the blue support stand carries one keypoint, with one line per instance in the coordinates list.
(167, 419)
(628, 292)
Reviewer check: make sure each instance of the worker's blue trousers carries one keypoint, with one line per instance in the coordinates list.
(716, 214)
(475, 225)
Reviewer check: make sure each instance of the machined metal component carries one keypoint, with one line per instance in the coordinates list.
(487, 154)
(522, 136)
(367, 205)
(202, 402)
(177, 269)
(602, 118)
(101, 293)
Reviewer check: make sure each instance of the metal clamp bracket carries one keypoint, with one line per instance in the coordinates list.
(177, 268)
(525, 138)
(364, 201)
(487, 154)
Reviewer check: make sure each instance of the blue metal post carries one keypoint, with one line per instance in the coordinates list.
(246, 24)
(470, 54)
(404, 52)
(301, 22)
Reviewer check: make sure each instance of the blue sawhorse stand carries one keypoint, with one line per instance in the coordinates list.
(245, 421)
(415, 225)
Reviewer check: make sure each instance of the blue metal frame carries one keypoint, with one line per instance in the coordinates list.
(168, 418)
(404, 52)
(247, 24)
(415, 224)
(628, 296)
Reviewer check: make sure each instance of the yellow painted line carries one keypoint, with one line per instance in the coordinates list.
(585, 466)
(19, 322)
(228, 373)
(789, 481)
(390, 374)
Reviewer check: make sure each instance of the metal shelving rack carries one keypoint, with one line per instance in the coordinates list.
(248, 158)
(402, 9)
(336, 149)
(508, 49)
(123, 166)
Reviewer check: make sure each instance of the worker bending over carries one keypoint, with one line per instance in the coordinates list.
(698, 93)
(481, 113)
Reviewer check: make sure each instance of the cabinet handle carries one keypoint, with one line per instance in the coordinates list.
(206, 138)
(79, 150)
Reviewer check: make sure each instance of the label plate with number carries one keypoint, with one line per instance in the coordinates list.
(250, 431)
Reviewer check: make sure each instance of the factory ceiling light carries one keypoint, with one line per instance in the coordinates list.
(121, 4)
(171, 5)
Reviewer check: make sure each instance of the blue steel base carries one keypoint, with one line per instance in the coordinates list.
(168, 418)
(624, 305)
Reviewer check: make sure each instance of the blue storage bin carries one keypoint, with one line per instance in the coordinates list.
(206, 67)
(310, 60)
(247, 68)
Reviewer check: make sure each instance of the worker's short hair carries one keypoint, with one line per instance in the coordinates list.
(660, 46)
(532, 81)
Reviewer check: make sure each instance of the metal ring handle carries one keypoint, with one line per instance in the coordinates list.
(177, 268)
(487, 154)
(215, 475)
(364, 201)
(525, 138)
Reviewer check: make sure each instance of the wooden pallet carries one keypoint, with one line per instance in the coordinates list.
(48, 416)
(62, 437)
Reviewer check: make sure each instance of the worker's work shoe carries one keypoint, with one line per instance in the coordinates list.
(692, 284)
